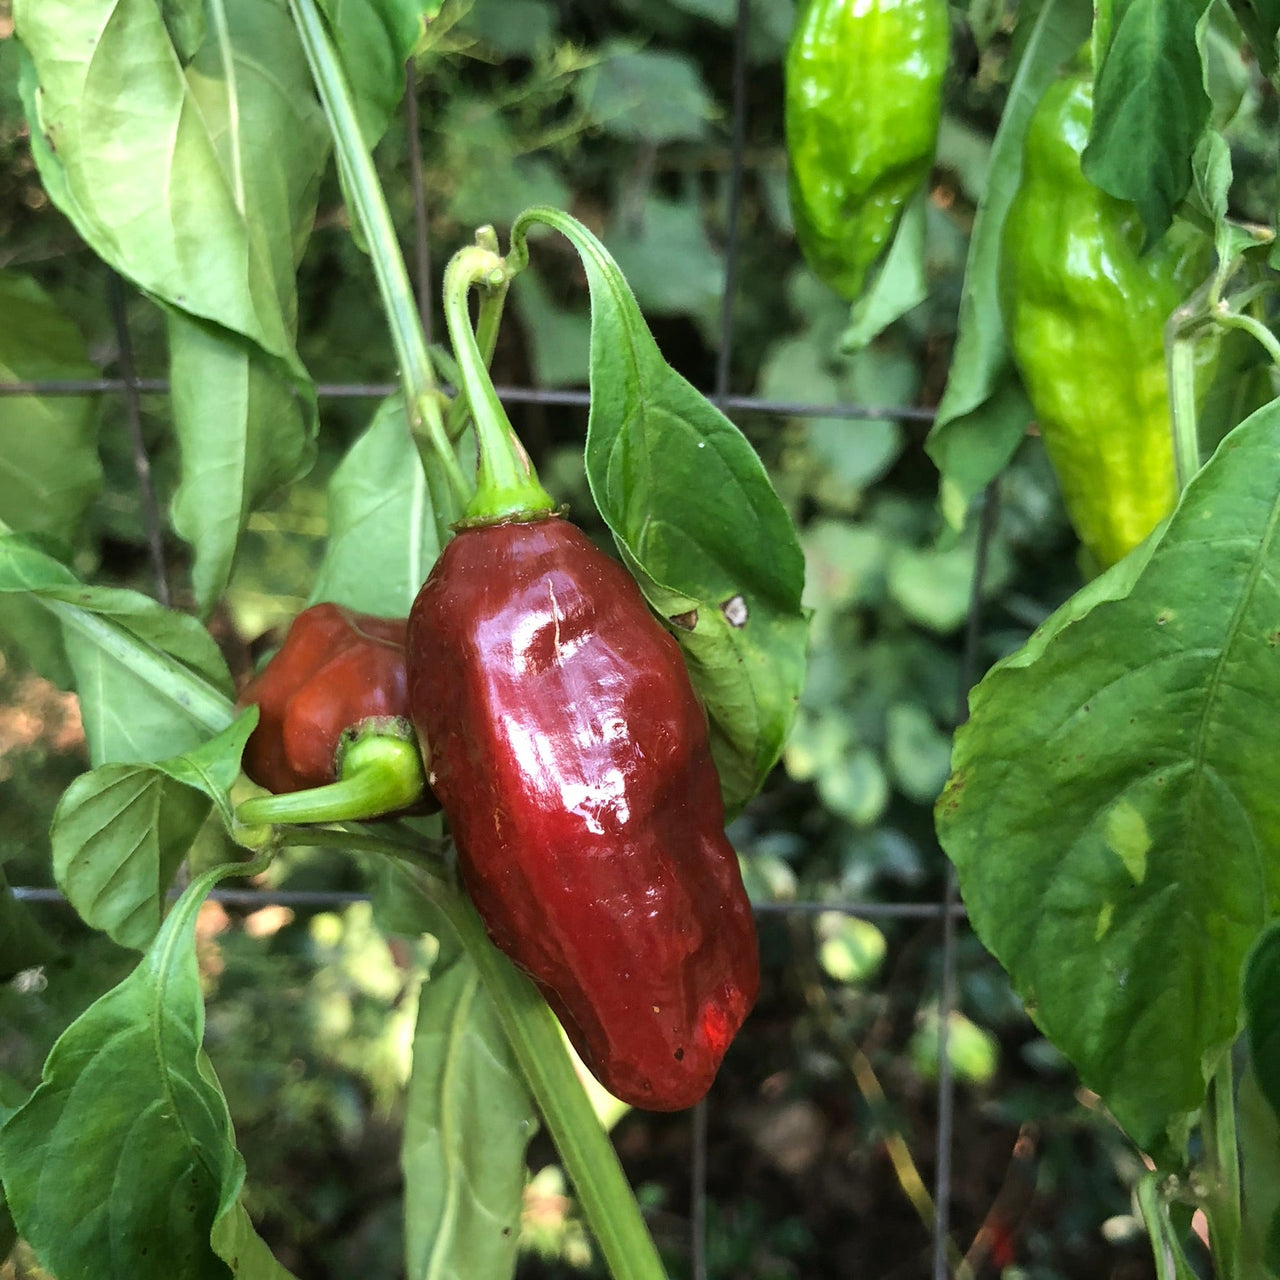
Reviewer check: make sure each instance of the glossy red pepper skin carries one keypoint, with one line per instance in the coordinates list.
(335, 669)
(570, 753)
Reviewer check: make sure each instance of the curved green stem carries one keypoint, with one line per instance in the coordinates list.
(488, 321)
(1171, 1261)
(369, 209)
(1234, 320)
(507, 487)
(379, 775)
(424, 853)
(589, 1157)
(1180, 356)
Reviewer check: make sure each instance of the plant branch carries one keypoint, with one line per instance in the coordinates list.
(369, 207)
(1222, 1169)
(536, 1040)
(1234, 320)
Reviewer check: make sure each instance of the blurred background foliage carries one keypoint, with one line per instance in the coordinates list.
(623, 113)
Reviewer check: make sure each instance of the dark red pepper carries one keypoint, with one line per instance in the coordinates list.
(335, 669)
(570, 753)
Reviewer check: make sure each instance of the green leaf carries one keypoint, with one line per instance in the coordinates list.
(984, 411)
(223, 153)
(655, 450)
(1150, 107)
(468, 1120)
(849, 950)
(669, 261)
(559, 338)
(382, 533)
(1259, 1137)
(243, 429)
(918, 752)
(243, 434)
(23, 943)
(846, 455)
(158, 190)
(469, 1116)
(120, 831)
(1113, 810)
(185, 22)
(151, 681)
(1260, 22)
(375, 39)
(974, 1053)
(646, 95)
(49, 468)
(1262, 1013)
(122, 1164)
(897, 284)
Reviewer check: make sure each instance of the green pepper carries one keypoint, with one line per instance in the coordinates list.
(862, 103)
(1085, 311)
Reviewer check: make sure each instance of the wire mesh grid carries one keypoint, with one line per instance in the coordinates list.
(947, 909)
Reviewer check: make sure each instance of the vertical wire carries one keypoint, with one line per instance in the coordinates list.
(133, 413)
(735, 197)
(947, 994)
(698, 1199)
(421, 245)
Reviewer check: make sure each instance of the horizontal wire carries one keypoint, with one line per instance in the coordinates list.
(512, 395)
(341, 898)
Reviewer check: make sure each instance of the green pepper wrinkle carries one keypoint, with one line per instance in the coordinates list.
(1085, 310)
(863, 99)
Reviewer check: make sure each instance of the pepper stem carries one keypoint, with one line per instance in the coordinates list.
(507, 487)
(380, 774)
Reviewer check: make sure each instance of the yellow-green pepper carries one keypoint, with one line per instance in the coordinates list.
(862, 103)
(1085, 311)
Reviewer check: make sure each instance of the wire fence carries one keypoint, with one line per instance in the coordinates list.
(947, 910)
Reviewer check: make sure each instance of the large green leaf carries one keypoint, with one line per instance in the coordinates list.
(375, 39)
(195, 174)
(468, 1116)
(155, 187)
(697, 521)
(1260, 21)
(151, 681)
(1150, 107)
(645, 94)
(243, 429)
(468, 1120)
(382, 531)
(1114, 807)
(49, 468)
(984, 411)
(121, 830)
(122, 1164)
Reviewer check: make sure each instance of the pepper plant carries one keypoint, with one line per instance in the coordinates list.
(1111, 808)
(132, 1067)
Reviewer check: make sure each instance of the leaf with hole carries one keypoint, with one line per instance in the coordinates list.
(697, 522)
